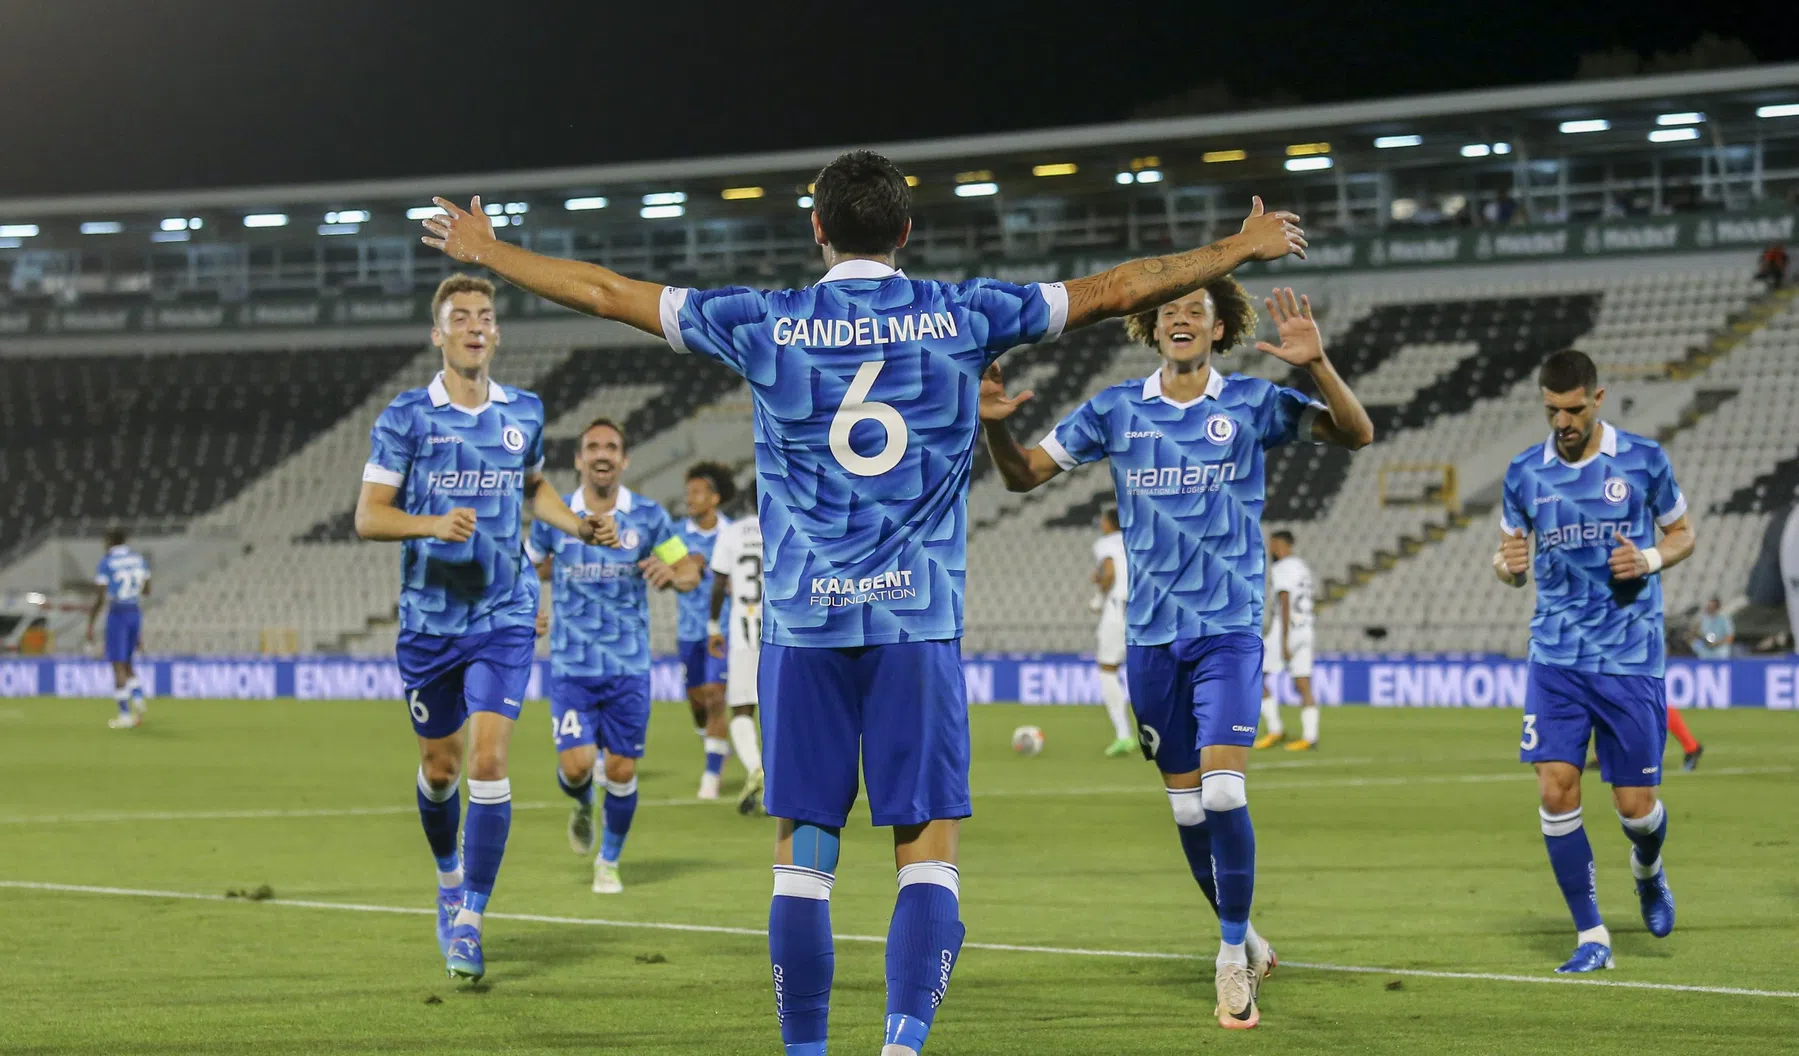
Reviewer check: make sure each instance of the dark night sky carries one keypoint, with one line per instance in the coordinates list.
(123, 94)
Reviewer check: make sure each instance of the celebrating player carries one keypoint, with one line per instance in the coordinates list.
(866, 388)
(709, 486)
(1186, 449)
(1288, 645)
(1593, 495)
(1111, 577)
(600, 642)
(737, 578)
(450, 466)
(123, 577)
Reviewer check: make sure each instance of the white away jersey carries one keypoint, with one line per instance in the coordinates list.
(1290, 574)
(1112, 546)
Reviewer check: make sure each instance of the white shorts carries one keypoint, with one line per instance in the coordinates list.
(1300, 666)
(743, 648)
(1111, 638)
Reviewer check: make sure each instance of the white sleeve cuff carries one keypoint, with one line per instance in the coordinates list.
(674, 298)
(1308, 422)
(537, 469)
(102, 581)
(1675, 514)
(1054, 449)
(1506, 527)
(374, 474)
(532, 552)
(1055, 295)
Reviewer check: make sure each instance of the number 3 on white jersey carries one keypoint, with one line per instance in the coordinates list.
(857, 407)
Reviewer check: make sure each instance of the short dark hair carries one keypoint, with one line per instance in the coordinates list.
(862, 202)
(1109, 513)
(115, 536)
(1284, 536)
(718, 475)
(1568, 370)
(624, 438)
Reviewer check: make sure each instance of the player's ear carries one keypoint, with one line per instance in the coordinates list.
(905, 234)
(818, 230)
(1598, 398)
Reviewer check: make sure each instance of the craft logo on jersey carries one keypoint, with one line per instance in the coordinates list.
(513, 439)
(1143, 434)
(1616, 490)
(892, 585)
(1220, 428)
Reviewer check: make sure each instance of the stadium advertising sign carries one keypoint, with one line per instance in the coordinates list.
(1047, 679)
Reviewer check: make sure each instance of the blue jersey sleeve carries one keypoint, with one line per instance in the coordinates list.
(1007, 315)
(534, 450)
(1665, 499)
(706, 321)
(102, 573)
(1078, 439)
(1514, 511)
(541, 543)
(1285, 416)
(390, 449)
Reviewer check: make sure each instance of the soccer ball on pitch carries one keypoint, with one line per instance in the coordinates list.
(1027, 740)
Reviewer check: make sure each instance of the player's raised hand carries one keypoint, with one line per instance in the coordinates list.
(1301, 343)
(657, 572)
(1627, 561)
(461, 233)
(1273, 235)
(599, 529)
(457, 526)
(996, 406)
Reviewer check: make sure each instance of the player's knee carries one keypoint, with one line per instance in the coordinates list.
(438, 779)
(620, 770)
(1188, 811)
(1222, 790)
(576, 767)
(487, 763)
(1559, 799)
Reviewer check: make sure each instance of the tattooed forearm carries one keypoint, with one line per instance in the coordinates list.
(1137, 285)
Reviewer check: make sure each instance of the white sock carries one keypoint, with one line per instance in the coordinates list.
(452, 878)
(1232, 953)
(1308, 722)
(1599, 935)
(1111, 691)
(1271, 716)
(898, 1050)
(743, 738)
(467, 916)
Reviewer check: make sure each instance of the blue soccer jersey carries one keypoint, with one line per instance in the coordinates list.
(866, 390)
(123, 572)
(1585, 619)
(602, 604)
(1189, 478)
(441, 457)
(693, 609)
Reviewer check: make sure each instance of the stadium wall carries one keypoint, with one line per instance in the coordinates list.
(1049, 678)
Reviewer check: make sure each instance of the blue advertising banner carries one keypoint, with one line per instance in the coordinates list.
(1382, 681)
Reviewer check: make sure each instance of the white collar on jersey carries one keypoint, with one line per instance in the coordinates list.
(861, 268)
(1152, 389)
(496, 393)
(1608, 445)
(577, 503)
(691, 525)
(120, 549)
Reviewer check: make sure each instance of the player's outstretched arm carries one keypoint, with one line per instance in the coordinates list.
(467, 235)
(1138, 285)
(1020, 467)
(379, 520)
(1676, 545)
(1302, 346)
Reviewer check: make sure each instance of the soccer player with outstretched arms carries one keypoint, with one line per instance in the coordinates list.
(450, 469)
(1593, 496)
(865, 388)
(1186, 446)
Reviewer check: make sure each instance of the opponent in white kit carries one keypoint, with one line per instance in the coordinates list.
(1287, 644)
(737, 573)
(1112, 576)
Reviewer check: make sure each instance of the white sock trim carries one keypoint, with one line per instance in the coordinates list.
(490, 792)
(796, 881)
(1559, 824)
(1639, 871)
(1188, 811)
(437, 795)
(1598, 934)
(1648, 822)
(622, 788)
(942, 874)
(717, 746)
(1223, 790)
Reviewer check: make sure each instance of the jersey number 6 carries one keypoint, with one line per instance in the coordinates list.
(857, 407)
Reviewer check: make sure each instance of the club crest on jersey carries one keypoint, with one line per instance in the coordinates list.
(1220, 428)
(628, 539)
(1616, 490)
(512, 438)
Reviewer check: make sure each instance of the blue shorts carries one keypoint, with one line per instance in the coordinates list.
(703, 669)
(124, 623)
(899, 710)
(611, 712)
(448, 677)
(1625, 717)
(1195, 692)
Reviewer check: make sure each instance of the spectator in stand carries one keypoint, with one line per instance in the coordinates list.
(1773, 268)
(1716, 633)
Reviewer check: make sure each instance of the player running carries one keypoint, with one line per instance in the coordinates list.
(450, 466)
(1112, 579)
(1593, 495)
(1186, 449)
(1287, 646)
(737, 579)
(866, 389)
(123, 577)
(600, 639)
(709, 486)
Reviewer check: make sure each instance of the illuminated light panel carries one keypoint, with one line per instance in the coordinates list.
(266, 220)
(1673, 135)
(1060, 168)
(576, 205)
(101, 227)
(739, 194)
(1688, 117)
(424, 212)
(1306, 150)
(1213, 156)
(972, 176)
(976, 190)
(1575, 128)
(662, 212)
(1308, 164)
(666, 198)
(1389, 142)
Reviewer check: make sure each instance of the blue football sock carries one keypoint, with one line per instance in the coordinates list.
(717, 748)
(618, 810)
(583, 792)
(799, 940)
(1647, 833)
(123, 696)
(484, 839)
(1196, 839)
(1233, 841)
(1571, 857)
(923, 942)
(440, 812)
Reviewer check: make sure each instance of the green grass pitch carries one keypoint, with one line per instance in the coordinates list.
(1409, 842)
